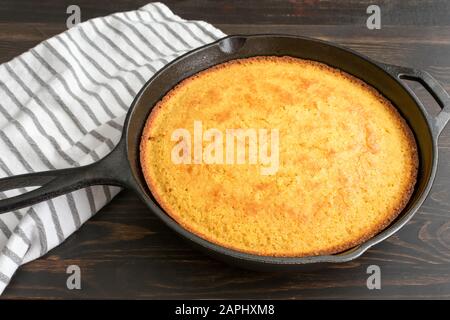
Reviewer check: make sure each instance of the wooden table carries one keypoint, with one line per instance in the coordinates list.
(126, 252)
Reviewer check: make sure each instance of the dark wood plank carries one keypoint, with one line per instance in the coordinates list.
(293, 12)
(126, 252)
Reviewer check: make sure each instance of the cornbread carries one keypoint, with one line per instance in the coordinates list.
(347, 159)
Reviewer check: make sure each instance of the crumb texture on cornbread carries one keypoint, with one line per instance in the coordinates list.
(347, 160)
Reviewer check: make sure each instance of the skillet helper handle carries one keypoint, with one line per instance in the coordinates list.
(107, 171)
(432, 86)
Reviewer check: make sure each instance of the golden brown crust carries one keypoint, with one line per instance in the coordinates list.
(160, 197)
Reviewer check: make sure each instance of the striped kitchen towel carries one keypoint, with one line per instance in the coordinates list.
(63, 104)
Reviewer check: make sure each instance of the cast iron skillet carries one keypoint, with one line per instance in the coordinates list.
(121, 167)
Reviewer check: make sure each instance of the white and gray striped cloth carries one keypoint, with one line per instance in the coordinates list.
(63, 104)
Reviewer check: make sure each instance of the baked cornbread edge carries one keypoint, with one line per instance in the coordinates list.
(326, 251)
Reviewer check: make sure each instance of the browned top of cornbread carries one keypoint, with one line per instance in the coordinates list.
(347, 160)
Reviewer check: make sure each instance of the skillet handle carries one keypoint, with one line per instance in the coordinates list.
(111, 170)
(432, 86)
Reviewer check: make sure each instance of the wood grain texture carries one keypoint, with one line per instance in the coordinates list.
(126, 252)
